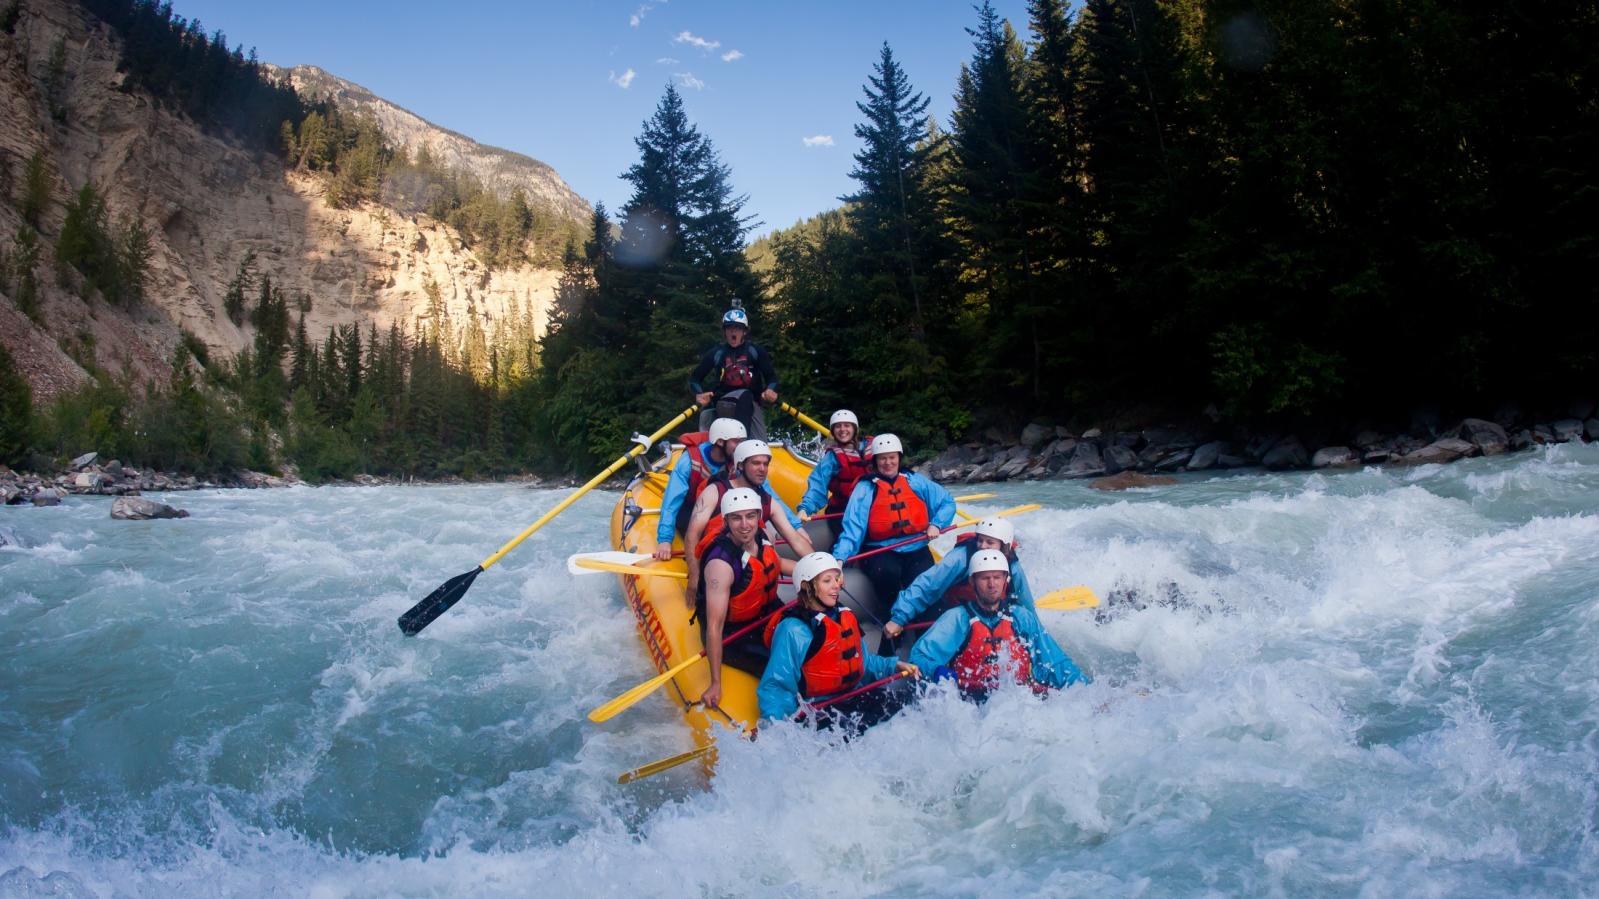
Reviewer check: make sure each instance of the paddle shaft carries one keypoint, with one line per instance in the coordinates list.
(859, 690)
(637, 450)
(806, 420)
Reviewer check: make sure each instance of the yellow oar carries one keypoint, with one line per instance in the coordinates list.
(806, 420)
(1067, 598)
(973, 497)
(625, 701)
(598, 565)
(644, 771)
(448, 593)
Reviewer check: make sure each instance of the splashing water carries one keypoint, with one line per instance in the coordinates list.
(1384, 682)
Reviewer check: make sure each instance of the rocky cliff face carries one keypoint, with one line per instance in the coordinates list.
(501, 170)
(209, 203)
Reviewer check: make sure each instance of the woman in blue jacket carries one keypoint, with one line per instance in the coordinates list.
(817, 653)
(844, 462)
(891, 506)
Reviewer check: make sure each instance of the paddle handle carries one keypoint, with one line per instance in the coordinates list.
(637, 450)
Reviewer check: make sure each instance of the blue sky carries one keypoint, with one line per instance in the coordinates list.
(571, 83)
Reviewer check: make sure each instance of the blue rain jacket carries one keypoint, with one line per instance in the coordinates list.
(930, 586)
(676, 493)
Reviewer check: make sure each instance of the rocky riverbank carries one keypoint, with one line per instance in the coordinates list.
(1042, 451)
(87, 475)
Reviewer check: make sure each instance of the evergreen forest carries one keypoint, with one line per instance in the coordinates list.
(1288, 211)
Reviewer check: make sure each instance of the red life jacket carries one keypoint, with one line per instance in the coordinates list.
(713, 528)
(700, 473)
(852, 466)
(989, 653)
(738, 366)
(754, 588)
(896, 510)
(834, 662)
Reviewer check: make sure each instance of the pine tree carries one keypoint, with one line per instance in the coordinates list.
(16, 412)
(891, 210)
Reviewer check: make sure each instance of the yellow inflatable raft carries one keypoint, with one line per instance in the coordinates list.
(663, 612)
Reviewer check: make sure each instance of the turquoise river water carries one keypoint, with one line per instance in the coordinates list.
(1373, 683)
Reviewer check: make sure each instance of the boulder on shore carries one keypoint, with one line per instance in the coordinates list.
(84, 461)
(1118, 458)
(1287, 453)
(137, 508)
(1207, 455)
(1334, 457)
(1567, 429)
(1489, 438)
(1035, 435)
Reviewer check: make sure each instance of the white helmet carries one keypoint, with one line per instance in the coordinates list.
(740, 499)
(843, 415)
(984, 560)
(885, 443)
(813, 565)
(749, 448)
(999, 529)
(735, 317)
(727, 429)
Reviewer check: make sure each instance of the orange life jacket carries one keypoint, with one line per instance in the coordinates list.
(700, 473)
(896, 509)
(754, 588)
(852, 466)
(713, 528)
(834, 662)
(989, 653)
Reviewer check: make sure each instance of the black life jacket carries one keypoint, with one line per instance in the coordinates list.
(754, 589)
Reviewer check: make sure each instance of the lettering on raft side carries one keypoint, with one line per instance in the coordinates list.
(649, 624)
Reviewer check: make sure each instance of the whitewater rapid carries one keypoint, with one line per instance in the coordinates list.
(1382, 683)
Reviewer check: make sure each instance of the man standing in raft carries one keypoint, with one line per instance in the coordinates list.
(992, 639)
(889, 506)
(736, 364)
(738, 584)
(948, 581)
(751, 463)
(844, 462)
(816, 652)
(704, 456)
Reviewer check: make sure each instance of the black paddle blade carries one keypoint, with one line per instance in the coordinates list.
(437, 603)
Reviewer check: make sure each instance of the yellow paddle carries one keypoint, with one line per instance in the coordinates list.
(627, 700)
(644, 771)
(450, 592)
(1067, 598)
(598, 565)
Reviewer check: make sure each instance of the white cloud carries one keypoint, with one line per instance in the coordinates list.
(624, 80)
(666, 61)
(818, 140)
(685, 37)
(643, 10)
(687, 79)
(731, 55)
